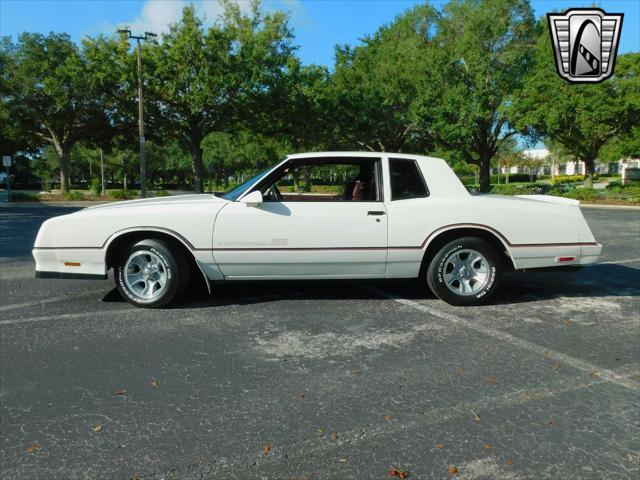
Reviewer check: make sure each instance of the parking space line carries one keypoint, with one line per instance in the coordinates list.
(603, 373)
(616, 262)
(13, 306)
(67, 316)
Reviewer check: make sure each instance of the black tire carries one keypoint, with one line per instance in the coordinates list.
(436, 272)
(172, 264)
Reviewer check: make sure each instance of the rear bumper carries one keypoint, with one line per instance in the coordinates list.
(589, 253)
(544, 256)
(86, 263)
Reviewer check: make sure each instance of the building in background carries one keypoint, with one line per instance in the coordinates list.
(550, 166)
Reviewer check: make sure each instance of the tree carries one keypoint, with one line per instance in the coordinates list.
(582, 118)
(55, 97)
(621, 147)
(483, 51)
(210, 81)
(375, 84)
(508, 156)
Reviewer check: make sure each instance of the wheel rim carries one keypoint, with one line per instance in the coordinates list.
(466, 272)
(145, 275)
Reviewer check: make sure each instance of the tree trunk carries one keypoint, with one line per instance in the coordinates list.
(588, 172)
(485, 172)
(64, 170)
(296, 180)
(64, 153)
(197, 166)
(307, 179)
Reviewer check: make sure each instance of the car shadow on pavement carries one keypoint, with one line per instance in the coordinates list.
(604, 280)
(600, 280)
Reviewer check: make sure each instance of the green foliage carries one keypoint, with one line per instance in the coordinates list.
(161, 193)
(587, 194)
(96, 186)
(519, 189)
(375, 85)
(622, 146)
(562, 179)
(481, 55)
(73, 195)
(56, 95)
(24, 197)
(204, 81)
(122, 194)
(225, 100)
(581, 118)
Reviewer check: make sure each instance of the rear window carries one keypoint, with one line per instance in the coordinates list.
(406, 179)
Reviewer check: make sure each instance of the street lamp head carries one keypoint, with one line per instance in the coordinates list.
(150, 34)
(125, 32)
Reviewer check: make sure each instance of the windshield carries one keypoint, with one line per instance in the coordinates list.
(236, 192)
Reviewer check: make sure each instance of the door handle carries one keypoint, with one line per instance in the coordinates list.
(376, 212)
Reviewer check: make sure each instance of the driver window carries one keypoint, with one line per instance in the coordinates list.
(333, 180)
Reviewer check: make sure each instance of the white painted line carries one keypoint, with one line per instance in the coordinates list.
(69, 296)
(67, 316)
(603, 373)
(617, 262)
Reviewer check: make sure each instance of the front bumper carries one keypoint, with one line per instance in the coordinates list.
(86, 263)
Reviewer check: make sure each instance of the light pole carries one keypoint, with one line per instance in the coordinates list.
(143, 167)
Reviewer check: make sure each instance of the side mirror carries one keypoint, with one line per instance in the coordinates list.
(253, 199)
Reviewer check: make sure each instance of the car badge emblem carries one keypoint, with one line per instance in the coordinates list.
(585, 42)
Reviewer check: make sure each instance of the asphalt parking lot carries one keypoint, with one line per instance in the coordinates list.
(296, 380)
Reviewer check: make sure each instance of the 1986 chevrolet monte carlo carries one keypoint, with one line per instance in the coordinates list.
(396, 216)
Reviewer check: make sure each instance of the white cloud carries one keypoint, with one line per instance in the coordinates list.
(157, 15)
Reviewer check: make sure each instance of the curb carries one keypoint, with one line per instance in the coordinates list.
(613, 207)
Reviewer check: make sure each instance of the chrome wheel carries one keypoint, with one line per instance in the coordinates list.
(466, 272)
(145, 274)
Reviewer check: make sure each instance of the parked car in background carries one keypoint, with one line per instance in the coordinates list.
(394, 216)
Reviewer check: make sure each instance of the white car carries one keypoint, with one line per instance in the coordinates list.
(394, 216)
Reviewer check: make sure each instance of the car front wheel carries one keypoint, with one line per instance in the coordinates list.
(149, 274)
(465, 272)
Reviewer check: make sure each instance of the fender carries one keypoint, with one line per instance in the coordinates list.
(186, 243)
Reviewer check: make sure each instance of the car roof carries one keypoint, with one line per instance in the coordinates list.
(355, 154)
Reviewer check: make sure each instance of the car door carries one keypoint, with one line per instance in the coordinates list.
(302, 239)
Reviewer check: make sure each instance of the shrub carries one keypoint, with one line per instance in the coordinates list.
(586, 194)
(73, 195)
(466, 181)
(560, 179)
(24, 197)
(510, 189)
(633, 189)
(95, 186)
(122, 194)
(161, 193)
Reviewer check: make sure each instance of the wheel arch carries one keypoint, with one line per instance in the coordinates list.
(131, 235)
(448, 234)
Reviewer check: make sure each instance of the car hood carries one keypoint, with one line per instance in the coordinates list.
(160, 202)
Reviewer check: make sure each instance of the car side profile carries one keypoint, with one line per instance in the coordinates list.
(393, 216)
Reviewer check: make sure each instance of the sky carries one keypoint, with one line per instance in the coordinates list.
(318, 24)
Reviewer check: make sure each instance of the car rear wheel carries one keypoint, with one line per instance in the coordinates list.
(150, 274)
(465, 271)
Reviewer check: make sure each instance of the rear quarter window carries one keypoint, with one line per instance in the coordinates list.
(406, 179)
